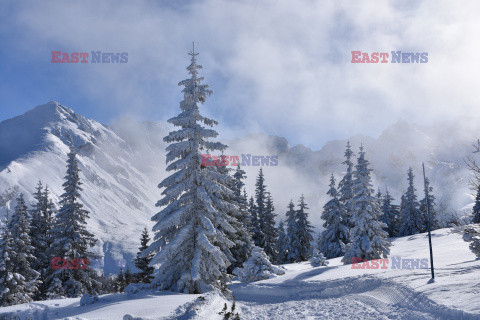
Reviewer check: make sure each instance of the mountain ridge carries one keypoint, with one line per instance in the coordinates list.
(123, 163)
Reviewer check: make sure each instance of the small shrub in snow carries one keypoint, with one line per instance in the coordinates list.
(130, 317)
(257, 267)
(229, 315)
(87, 299)
(318, 259)
(137, 287)
(472, 235)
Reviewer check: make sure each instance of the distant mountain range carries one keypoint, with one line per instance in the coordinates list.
(123, 163)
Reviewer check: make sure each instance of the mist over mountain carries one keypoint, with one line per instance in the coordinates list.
(122, 163)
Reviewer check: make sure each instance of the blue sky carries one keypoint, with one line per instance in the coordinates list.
(275, 67)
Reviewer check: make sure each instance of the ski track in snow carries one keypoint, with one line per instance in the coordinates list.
(333, 292)
(351, 298)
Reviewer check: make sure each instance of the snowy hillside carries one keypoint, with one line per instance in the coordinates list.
(304, 292)
(123, 163)
(119, 181)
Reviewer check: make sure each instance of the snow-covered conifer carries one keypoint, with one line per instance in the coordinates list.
(42, 219)
(281, 244)
(292, 242)
(411, 219)
(270, 232)
(188, 244)
(254, 227)
(332, 240)
(390, 214)
(476, 207)
(260, 201)
(241, 237)
(379, 197)
(17, 259)
(12, 284)
(368, 239)
(432, 213)
(345, 188)
(143, 262)
(71, 239)
(304, 231)
(257, 267)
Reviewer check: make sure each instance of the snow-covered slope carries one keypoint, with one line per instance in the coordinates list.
(119, 182)
(304, 292)
(123, 163)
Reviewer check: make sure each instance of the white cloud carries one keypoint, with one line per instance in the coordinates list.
(281, 67)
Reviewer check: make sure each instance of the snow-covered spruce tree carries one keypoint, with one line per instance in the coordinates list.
(254, 227)
(260, 201)
(12, 284)
(42, 220)
(432, 213)
(379, 197)
(241, 197)
(318, 259)
(304, 231)
(411, 219)
(476, 207)
(143, 262)
(21, 254)
(270, 232)
(332, 240)
(368, 239)
(257, 267)
(241, 236)
(71, 239)
(186, 243)
(292, 242)
(390, 214)
(345, 188)
(235, 230)
(281, 244)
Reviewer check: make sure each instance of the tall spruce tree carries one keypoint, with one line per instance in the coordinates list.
(142, 262)
(14, 287)
(270, 232)
(281, 244)
(71, 239)
(432, 213)
(292, 242)
(188, 245)
(411, 219)
(368, 239)
(42, 221)
(21, 255)
(476, 207)
(241, 237)
(379, 196)
(390, 214)
(260, 201)
(304, 231)
(332, 240)
(254, 227)
(10, 292)
(345, 188)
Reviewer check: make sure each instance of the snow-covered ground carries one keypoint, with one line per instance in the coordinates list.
(304, 292)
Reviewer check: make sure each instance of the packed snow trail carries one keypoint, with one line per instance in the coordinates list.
(304, 292)
(351, 298)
